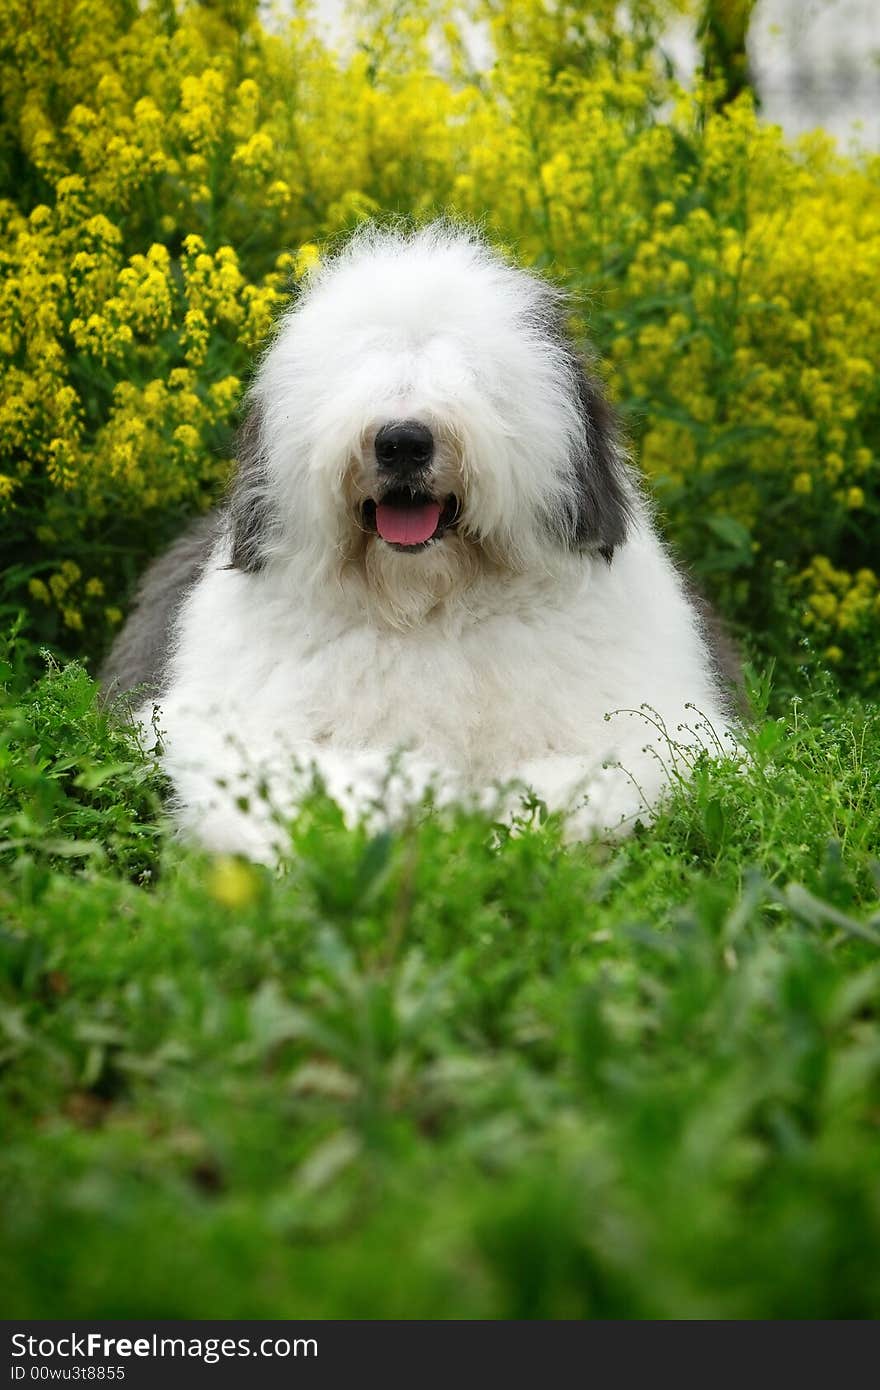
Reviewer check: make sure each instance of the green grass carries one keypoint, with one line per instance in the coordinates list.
(445, 1072)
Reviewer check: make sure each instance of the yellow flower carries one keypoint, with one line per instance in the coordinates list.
(307, 260)
(232, 883)
(802, 483)
(257, 154)
(195, 335)
(278, 193)
(855, 498)
(824, 605)
(833, 466)
(188, 438)
(225, 393)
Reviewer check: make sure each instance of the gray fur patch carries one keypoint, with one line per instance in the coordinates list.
(138, 657)
(602, 516)
(249, 507)
(599, 515)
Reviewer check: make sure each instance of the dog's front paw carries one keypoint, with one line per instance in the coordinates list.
(594, 800)
(381, 789)
(227, 830)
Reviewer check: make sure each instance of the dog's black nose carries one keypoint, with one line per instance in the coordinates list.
(404, 446)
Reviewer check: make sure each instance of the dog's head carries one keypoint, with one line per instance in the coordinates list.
(420, 416)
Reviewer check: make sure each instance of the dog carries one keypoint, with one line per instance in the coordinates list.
(435, 573)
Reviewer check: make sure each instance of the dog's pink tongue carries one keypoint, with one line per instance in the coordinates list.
(407, 525)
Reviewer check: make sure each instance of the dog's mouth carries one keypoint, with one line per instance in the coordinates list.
(410, 520)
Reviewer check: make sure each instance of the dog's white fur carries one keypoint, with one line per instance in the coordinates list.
(509, 651)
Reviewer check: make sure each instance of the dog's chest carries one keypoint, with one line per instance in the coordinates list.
(483, 697)
(482, 700)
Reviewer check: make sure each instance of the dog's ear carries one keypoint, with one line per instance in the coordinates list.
(248, 507)
(598, 510)
(601, 503)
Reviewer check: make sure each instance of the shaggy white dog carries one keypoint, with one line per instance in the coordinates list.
(434, 549)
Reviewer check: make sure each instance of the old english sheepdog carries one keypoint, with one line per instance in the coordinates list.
(434, 571)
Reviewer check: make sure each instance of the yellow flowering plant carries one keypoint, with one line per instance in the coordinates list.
(170, 171)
